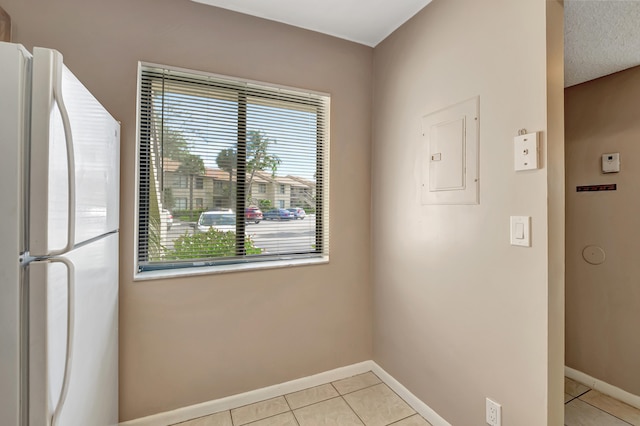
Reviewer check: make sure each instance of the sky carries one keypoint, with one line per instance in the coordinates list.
(209, 125)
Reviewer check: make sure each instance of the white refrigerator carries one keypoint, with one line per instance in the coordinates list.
(59, 192)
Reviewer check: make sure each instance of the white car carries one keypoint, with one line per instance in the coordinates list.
(167, 218)
(223, 220)
(298, 212)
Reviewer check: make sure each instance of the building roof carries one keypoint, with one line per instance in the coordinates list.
(302, 182)
(170, 165)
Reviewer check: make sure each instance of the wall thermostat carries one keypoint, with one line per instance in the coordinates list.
(611, 163)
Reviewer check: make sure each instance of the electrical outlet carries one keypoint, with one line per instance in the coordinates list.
(494, 413)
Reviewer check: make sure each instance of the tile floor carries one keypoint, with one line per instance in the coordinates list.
(588, 407)
(364, 400)
(358, 400)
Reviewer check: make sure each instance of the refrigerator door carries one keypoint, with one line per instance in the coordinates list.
(14, 105)
(74, 192)
(76, 383)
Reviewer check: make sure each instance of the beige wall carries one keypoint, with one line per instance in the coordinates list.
(459, 314)
(603, 302)
(184, 341)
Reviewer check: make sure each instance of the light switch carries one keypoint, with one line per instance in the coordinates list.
(525, 151)
(521, 231)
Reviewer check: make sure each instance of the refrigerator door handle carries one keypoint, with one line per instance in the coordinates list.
(70, 328)
(71, 169)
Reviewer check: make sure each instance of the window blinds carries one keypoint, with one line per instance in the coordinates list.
(229, 171)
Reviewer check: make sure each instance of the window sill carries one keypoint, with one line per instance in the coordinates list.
(222, 269)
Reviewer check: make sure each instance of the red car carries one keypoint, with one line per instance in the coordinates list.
(253, 214)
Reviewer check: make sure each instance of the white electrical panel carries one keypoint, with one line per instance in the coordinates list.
(525, 151)
(611, 163)
(446, 165)
(449, 159)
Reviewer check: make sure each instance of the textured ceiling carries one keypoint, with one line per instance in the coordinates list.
(601, 37)
(363, 21)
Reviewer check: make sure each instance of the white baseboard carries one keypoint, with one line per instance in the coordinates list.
(235, 401)
(423, 409)
(603, 387)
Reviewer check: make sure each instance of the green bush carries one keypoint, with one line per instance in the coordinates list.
(265, 205)
(187, 215)
(210, 244)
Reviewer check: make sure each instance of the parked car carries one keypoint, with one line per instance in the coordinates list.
(167, 218)
(298, 212)
(222, 220)
(253, 214)
(278, 214)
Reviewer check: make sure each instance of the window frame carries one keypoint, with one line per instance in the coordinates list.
(179, 200)
(199, 183)
(182, 181)
(322, 192)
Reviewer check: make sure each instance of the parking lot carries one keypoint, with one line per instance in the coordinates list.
(272, 236)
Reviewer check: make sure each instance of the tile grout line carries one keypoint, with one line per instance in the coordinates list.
(317, 402)
(339, 395)
(352, 410)
(358, 390)
(395, 393)
(405, 418)
(263, 418)
(367, 387)
(604, 411)
(295, 419)
(401, 399)
(268, 417)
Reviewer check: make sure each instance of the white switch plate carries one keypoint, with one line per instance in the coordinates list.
(525, 151)
(521, 231)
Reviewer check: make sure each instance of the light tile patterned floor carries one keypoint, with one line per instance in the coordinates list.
(588, 407)
(361, 400)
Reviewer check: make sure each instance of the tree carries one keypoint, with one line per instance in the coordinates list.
(227, 161)
(174, 144)
(258, 157)
(168, 200)
(190, 165)
(265, 204)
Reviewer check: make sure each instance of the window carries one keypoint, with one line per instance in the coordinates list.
(181, 203)
(196, 125)
(181, 181)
